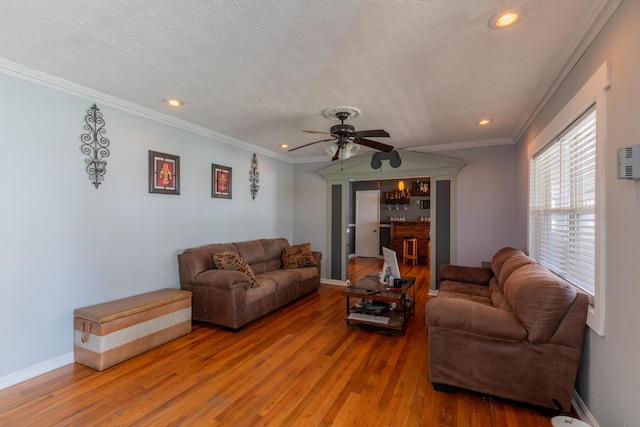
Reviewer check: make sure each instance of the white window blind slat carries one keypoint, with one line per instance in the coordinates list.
(563, 203)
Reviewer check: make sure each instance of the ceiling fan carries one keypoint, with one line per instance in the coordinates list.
(347, 140)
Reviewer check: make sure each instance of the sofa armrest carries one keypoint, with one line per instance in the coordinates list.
(223, 279)
(458, 273)
(475, 318)
(318, 257)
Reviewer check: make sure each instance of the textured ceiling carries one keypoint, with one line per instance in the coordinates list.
(261, 71)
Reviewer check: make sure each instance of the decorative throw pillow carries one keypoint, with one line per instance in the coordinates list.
(231, 261)
(297, 256)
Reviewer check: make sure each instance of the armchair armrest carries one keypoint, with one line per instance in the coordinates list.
(223, 279)
(474, 317)
(458, 273)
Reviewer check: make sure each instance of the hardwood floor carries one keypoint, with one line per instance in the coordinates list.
(299, 366)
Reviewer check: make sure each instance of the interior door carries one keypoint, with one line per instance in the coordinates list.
(367, 223)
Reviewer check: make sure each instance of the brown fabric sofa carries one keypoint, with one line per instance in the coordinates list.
(228, 298)
(514, 330)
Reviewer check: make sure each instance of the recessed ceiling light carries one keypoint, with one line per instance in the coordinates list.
(174, 102)
(284, 146)
(506, 18)
(484, 122)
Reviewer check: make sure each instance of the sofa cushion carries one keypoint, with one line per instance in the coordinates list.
(251, 251)
(463, 288)
(231, 261)
(198, 260)
(497, 296)
(539, 299)
(282, 278)
(306, 273)
(500, 257)
(511, 264)
(297, 256)
(271, 260)
(480, 299)
(458, 273)
(223, 279)
(480, 319)
(273, 248)
(266, 288)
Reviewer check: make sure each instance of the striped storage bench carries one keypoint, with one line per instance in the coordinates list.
(112, 332)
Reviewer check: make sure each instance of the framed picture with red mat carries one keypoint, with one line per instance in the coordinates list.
(164, 173)
(220, 181)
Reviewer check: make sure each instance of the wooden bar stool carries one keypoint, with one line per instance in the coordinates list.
(410, 250)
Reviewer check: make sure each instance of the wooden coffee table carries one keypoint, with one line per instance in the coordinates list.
(374, 294)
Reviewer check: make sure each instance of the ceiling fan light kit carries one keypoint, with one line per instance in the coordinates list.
(349, 150)
(347, 140)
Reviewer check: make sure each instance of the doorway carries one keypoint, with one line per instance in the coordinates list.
(367, 223)
(340, 175)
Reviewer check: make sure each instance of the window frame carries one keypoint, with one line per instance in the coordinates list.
(593, 92)
(562, 203)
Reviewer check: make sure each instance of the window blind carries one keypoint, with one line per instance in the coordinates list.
(563, 203)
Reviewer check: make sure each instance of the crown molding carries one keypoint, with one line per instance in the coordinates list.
(65, 86)
(587, 34)
(463, 144)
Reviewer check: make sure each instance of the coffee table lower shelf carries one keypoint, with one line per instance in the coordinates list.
(371, 290)
(395, 326)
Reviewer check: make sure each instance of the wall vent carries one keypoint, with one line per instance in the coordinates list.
(629, 162)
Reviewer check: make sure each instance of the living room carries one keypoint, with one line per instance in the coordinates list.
(66, 245)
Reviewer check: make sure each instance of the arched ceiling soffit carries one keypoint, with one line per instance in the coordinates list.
(414, 165)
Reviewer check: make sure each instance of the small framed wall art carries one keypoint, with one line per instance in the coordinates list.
(164, 173)
(220, 181)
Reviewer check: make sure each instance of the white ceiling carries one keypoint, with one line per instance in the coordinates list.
(259, 72)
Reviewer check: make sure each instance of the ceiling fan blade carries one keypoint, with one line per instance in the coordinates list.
(374, 144)
(311, 143)
(376, 133)
(316, 131)
(337, 155)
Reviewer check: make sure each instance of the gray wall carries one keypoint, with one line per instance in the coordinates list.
(609, 377)
(485, 199)
(310, 219)
(65, 245)
(486, 208)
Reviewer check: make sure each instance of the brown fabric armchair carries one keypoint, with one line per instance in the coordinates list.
(514, 330)
(229, 298)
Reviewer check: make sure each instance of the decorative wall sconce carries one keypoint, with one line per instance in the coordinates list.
(94, 145)
(254, 177)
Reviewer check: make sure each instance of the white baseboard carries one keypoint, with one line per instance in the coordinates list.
(333, 282)
(35, 370)
(582, 410)
(433, 292)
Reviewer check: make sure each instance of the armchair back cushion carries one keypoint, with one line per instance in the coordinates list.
(539, 298)
(500, 257)
(512, 264)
